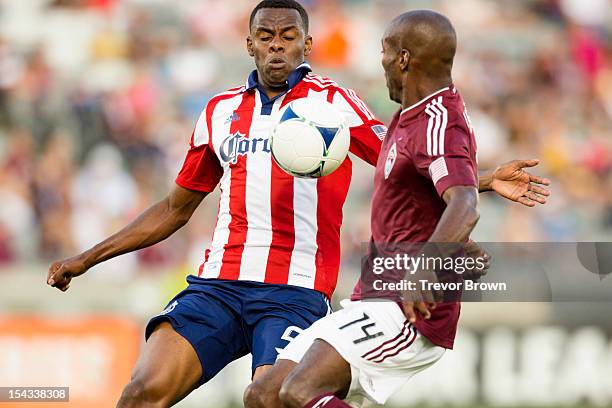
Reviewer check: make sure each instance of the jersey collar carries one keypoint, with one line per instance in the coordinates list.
(294, 78)
(415, 109)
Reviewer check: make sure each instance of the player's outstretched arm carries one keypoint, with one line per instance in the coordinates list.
(511, 181)
(157, 223)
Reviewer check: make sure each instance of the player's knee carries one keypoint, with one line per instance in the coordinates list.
(294, 394)
(258, 395)
(142, 391)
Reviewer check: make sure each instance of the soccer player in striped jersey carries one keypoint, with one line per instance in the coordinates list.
(273, 262)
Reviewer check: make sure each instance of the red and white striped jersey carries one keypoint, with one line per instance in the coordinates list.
(272, 227)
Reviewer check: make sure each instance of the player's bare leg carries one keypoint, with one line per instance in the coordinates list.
(321, 371)
(167, 370)
(267, 381)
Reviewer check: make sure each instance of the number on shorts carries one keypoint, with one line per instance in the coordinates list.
(290, 333)
(365, 328)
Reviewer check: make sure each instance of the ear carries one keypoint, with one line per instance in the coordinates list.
(404, 59)
(308, 45)
(249, 44)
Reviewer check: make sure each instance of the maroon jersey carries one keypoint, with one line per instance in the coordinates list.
(429, 147)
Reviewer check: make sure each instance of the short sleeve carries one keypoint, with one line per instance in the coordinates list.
(367, 132)
(201, 169)
(446, 151)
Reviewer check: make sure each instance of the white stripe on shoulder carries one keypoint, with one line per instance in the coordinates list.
(424, 99)
(324, 81)
(443, 126)
(430, 123)
(361, 107)
(436, 129)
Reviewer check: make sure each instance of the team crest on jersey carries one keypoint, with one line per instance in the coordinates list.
(238, 144)
(391, 156)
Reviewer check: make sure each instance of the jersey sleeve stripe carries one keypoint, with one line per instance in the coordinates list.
(356, 108)
(431, 128)
(443, 126)
(362, 104)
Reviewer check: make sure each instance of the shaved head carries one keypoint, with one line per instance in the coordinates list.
(420, 43)
(429, 36)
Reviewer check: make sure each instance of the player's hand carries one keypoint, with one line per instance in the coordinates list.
(475, 251)
(61, 272)
(421, 299)
(511, 181)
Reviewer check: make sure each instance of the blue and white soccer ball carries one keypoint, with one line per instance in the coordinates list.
(311, 139)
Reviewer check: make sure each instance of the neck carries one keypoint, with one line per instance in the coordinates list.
(271, 92)
(416, 88)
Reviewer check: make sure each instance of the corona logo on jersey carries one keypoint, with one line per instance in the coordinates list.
(238, 145)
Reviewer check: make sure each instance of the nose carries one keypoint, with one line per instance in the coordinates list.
(276, 45)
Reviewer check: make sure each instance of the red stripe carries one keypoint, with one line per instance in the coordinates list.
(400, 349)
(210, 108)
(232, 255)
(401, 333)
(405, 336)
(281, 208)
(331, 192)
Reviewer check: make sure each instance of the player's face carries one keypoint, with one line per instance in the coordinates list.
(279, 45)
(390, 62)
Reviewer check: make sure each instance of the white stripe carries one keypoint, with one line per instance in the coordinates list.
(302, 269)
(436, 130)
(443, 127)
(221, 234)
(323, 402)
(322, 80)
(317, 83)
(352, 118)
(220, 130)
(200, 133)
(257, 201)
(362, 104)
(423, 100)
(429, 127)
(432, 135)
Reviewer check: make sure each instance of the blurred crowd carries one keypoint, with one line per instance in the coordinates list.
(98, 99)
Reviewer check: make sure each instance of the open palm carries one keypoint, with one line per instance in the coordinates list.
(511, 181)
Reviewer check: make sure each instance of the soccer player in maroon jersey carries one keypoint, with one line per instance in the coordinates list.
(425, 190)
(275, 253)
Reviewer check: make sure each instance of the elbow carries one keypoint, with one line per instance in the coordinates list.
(181, 219)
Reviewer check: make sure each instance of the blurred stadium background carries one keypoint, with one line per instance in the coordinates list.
(97, 102)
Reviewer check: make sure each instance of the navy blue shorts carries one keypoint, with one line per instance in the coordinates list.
(225, 320)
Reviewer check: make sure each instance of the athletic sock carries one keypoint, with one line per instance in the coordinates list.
(327, 401)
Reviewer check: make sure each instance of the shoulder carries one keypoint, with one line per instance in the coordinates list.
(319, 81)
(228, 94)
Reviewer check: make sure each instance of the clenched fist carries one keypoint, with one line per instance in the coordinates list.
(61, 272)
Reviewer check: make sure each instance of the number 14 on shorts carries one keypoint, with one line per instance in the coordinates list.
(364, 328)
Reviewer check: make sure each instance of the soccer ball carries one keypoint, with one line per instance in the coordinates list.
(311, 139)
